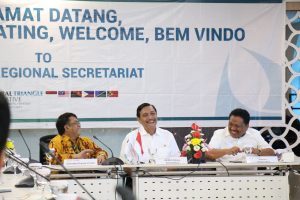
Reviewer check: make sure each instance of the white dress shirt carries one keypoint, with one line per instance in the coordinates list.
(222, 140)
(161, 145)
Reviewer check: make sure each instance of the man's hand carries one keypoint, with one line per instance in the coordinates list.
(83, 154)
(233, 151)
(100, 159)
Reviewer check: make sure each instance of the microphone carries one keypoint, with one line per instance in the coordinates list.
(11, 170)
(26, 182)
(29, 181)
(30, 160)
(125, 193)
(47, 150)
(110, 161)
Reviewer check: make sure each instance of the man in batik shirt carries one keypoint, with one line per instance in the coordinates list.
(68, 144)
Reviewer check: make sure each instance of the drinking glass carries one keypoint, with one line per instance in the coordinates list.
(15, 164)
(247, 150)
(59, 187)
(22, 167)
(41, 181)
(49, 155)
(34, 167)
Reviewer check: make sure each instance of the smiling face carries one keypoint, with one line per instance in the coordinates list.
(148, 118)
(72, 128)
(236, 126)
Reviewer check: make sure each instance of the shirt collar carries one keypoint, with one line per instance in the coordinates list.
(144, 132)
(67, 138)
(227, 132)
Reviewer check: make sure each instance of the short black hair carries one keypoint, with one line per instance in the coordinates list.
(4, 120)
(62, 120)
(143, 105)
(244, 114)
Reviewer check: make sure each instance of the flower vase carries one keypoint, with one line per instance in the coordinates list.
(192, 160)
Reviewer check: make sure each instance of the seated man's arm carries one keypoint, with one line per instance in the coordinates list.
(174, 150)
(263, 148)
(83, 154)
(59, 152)
(214, 154)
(127, 150)
(216, 146)
(97, 152)
(263, 151)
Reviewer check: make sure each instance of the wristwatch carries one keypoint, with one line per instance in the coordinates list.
(259, 152)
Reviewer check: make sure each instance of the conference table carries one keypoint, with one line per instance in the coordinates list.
(100, 181)
(8, 181)
(211, 180)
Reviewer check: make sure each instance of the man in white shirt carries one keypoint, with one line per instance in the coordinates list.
(227, 143)
(148, 142)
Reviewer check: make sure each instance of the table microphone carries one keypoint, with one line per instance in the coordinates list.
(110, 161)
(11, 170)
(30, 160)
(29, 181)
(47, 150)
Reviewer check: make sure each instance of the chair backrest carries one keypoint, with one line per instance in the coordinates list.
(46, 139)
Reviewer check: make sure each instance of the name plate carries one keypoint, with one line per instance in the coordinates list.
(171, 160)
(287, 157)
(80, 162)
(261, 159)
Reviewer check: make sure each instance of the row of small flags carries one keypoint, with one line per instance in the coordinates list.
(112, 93)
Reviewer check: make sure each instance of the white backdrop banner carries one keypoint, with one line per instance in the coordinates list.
(194, 61)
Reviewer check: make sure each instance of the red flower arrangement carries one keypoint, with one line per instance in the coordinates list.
(194, 144)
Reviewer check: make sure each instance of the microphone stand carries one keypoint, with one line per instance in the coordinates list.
(112, 160)
(46, 149)
(30, 160)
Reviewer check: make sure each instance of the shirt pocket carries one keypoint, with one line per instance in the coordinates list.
(163, 151)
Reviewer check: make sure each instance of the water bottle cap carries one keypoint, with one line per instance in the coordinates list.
(10, 144)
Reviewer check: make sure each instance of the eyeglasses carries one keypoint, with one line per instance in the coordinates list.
(75, 123)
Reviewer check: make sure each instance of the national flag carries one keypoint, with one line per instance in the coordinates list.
(100, 93)
(51, 92)
(88, 93)
(139, 141)
(63, 93)
(76, 93)
(114, 93)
